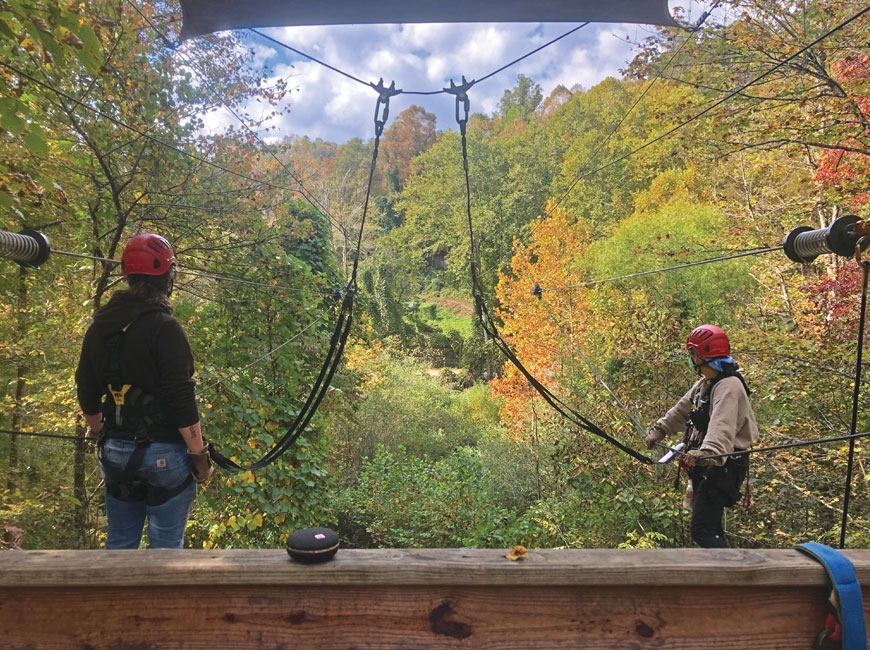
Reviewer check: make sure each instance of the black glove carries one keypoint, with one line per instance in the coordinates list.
(202, 467)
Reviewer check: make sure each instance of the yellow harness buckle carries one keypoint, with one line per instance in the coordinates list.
(118, 398)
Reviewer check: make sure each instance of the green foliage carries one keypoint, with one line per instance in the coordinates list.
(584, 186)
(407, 407)
(403, 500)
(521, 101)
(677, 233)
(258, 509)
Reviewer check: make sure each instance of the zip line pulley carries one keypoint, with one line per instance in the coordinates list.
(30, 248)
(803, 244)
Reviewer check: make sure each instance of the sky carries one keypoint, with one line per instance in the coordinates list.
(422, 58)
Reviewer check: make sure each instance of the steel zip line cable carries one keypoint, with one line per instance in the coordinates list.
(728, 96)
(418, 92)
(712, 260)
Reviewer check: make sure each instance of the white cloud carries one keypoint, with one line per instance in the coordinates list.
(424, 58)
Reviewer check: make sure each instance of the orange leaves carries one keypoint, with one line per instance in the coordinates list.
(536, 324)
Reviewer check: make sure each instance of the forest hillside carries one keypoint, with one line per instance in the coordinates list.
(554, 253)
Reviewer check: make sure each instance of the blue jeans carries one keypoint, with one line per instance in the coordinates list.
(165, 464)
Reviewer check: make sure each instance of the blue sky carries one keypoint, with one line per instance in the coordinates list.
(425, 58)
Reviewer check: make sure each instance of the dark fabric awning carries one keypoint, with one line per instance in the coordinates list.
(205, 16)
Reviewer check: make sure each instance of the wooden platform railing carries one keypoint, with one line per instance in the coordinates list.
(414, 599)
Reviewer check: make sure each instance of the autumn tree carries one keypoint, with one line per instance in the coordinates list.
(543, 314)
(842, 170)
(411, 133)
(97, 170)
(774, 75)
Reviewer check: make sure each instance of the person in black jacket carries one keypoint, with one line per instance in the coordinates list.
(135, 387)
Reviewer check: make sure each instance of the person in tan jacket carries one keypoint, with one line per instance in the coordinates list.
(717, 419)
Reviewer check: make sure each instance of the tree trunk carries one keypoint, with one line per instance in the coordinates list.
(80, 516)
(21, 383)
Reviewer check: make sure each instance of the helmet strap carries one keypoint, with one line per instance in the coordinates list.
(697, 366)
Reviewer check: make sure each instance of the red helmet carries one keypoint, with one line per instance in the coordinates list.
(709, 342)
(147, 254)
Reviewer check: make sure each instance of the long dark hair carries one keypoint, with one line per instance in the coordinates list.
(152, 289)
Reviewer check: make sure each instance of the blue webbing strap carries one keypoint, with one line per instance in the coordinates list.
(848, 603)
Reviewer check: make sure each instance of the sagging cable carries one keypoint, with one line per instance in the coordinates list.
(343, 322)
(462, 102)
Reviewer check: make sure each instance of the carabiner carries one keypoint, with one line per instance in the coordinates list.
(832, 631)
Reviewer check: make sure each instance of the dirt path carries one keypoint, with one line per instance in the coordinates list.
(463, 308)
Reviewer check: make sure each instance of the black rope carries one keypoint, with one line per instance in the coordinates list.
(528, 54)
(489, 327)
(865, 268)
(309, 57)
(343, 322)
(417, 92)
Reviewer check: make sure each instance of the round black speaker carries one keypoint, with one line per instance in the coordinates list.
(312, 545)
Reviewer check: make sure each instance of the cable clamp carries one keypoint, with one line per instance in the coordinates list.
(461, 93)
(384, 95)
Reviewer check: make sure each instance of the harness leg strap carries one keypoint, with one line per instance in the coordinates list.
(846, 596)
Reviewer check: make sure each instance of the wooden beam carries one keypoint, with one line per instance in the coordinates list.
(414, 599)
(204, 16)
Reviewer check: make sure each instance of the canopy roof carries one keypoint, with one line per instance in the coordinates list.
(205, 16)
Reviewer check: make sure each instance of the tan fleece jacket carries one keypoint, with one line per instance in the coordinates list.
(732, 420)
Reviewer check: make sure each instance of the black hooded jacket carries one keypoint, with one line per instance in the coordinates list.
(155, 356)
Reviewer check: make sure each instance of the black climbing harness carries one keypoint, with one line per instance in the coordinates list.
(131, 414)
(727, 477)
(699, 415)
(129, 484)
(127, 407)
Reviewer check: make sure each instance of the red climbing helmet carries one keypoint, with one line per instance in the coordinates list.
(147, 254)
(709, 342)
